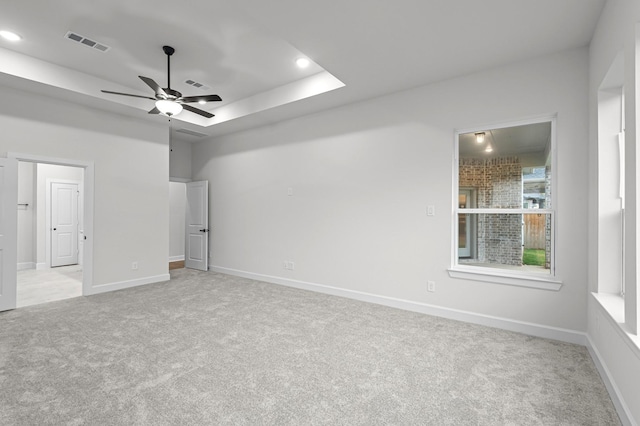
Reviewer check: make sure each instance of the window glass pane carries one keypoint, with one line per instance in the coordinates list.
(507, 168)
(508, 241)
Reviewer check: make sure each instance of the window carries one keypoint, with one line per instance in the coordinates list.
(504, 209)
(611, 182)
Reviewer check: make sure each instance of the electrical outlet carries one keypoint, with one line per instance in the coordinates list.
(431, 210)
(431, 286)
(134, 266)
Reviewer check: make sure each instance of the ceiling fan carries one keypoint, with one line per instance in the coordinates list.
(168, 101)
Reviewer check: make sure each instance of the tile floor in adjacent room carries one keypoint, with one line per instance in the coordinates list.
(47, 285)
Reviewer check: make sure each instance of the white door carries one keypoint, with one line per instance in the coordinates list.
(64, 224)
(8, 232)
(197, 226)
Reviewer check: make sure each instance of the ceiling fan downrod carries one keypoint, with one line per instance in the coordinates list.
(168, 50)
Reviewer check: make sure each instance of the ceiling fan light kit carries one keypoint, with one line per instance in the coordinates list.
(168, 101)
(169, 108)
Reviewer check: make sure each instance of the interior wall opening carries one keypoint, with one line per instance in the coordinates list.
(177, 208)
(50, 228)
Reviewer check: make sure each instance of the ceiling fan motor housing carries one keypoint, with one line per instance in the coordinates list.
(172, 94)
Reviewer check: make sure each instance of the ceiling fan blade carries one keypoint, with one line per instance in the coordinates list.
(154, 111)
(155, 86)
(128, 94)
(206, 98)
(198, 111)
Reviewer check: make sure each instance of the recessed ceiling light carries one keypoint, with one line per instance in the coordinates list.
(202, 102)
(302, 62)
(11, 36)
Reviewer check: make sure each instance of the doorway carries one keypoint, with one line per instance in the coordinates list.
(177, 206)
(188, 222)
(34, 258)
(50, 228)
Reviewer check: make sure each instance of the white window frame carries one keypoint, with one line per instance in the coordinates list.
(498, 275)
(622, 185)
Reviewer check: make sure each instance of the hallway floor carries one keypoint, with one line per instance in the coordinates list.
(47, 285)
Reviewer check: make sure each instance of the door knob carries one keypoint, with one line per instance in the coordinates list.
(55, 229)
(204, 230)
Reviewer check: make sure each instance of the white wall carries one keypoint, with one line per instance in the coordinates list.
(180, 171)
(178, 202)
(131, 195)
(362, 176)
(45, 173)
(617, 31)
(180, 160)
(26, 216)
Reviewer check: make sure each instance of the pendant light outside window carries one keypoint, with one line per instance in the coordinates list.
(168, 107)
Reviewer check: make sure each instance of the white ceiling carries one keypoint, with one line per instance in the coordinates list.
(245, 49)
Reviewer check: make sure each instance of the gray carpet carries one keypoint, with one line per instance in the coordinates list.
(207, 348)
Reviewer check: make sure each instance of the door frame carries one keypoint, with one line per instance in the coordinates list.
(87, 208)
(48, 205)
(9, 231)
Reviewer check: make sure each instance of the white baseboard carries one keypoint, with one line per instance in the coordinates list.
(23, 266)
(176, 258)
(41, 265)
(104, 288)
(625, 415)
(531, 329)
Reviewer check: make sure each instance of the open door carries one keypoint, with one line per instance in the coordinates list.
(197, 226)
(8, 232)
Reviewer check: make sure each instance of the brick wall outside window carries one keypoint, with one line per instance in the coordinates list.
(497, 183)
(547, 234)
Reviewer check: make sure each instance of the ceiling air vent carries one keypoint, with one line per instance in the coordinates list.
(86, 41)
(191, 133)
(198, 85)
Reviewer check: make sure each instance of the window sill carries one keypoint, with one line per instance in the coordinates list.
(613, 306)
(495, 276)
